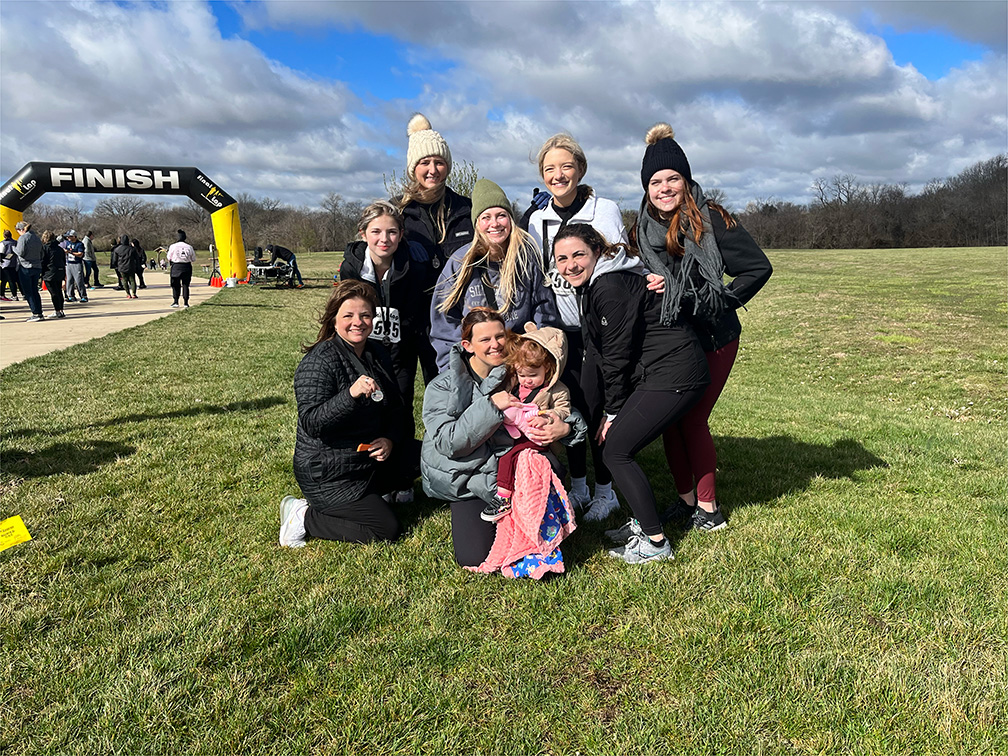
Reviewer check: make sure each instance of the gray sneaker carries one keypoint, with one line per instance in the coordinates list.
(624, 533)
(292, 529)
(600, 507)
(640, 549)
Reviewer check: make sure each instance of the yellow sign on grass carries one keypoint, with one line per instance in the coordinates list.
(13, 532)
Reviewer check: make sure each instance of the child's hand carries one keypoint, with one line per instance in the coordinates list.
(540, 421)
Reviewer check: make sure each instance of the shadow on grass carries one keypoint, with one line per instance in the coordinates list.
(760, 470)
(209, 409)
(77, 458)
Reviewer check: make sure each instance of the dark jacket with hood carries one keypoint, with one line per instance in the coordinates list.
(276, 251)
(626, 346)
(403, 290)
(331, 423)
(420, 228)
(123, 258)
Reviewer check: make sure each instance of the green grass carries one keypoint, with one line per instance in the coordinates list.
(856, 603)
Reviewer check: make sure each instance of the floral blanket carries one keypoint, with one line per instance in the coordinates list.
(528, 538)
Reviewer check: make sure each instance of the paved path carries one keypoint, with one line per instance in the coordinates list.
(106, 311)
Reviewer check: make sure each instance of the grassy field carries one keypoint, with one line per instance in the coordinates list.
(857, 603)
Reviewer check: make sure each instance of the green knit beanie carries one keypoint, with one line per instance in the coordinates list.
(487, 194)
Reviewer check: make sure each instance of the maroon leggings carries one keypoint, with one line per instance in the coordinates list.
(689, 448)
(509, 461)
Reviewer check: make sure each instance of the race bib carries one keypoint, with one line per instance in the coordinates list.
(386, 325)
(559, 282)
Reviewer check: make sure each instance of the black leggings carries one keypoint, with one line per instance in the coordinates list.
(577, 455)
(368, 519)
(641, 420)
(472, 536)
(181, 276)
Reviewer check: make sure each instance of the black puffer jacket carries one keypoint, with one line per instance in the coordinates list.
(408, 276)
(627, 347)
(331, 423)
(420, 228)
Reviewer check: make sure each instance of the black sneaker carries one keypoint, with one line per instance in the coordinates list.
(497, 509)
(679, 514)
(708, 522)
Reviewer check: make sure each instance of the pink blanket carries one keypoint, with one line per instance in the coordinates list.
(520, 532)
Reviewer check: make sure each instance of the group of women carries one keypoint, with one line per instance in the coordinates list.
(445, 282)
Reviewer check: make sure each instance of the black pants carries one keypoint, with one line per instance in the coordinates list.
(9, 277)
(367, 519)
(181, 277)
(472, 536)
(641, 420)
(55, 287)
(577, 455)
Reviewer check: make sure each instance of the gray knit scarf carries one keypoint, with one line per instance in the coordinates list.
(707, 290)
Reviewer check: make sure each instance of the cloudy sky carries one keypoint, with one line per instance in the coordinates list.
(292, 100)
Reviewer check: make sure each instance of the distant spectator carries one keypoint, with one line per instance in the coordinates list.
(124, 261)
(8, 268)
(181, 255)
(91, 262)
(76, 287)
(53, 270)
(276, 251)
(29, 254)
(141, 262)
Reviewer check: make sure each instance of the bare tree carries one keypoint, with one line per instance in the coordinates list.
(462, 179)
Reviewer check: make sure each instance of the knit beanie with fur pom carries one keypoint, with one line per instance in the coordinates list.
(663, 153)
(424, 142)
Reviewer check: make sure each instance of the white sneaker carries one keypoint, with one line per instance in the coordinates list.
(600, 507)
(292, 529)
(578, 499)
(404, 497)
(641, 549)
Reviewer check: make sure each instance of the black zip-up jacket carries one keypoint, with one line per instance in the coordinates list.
(627, 347)
(750, 269)
(331, 423)
(420, 228)
(408, 276)
(53, 262)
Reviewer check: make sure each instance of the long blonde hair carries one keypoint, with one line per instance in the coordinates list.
(519, 259)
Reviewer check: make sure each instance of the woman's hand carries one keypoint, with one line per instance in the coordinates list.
(363, 386)
(550, 433)
(381, 448)
(656, 283)
(502, 400)
(603, 430)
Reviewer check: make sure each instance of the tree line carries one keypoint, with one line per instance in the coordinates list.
(969, 209)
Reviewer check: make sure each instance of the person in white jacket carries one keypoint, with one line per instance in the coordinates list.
(562, 166)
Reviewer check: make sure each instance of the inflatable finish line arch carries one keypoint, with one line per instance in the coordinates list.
(35, 179)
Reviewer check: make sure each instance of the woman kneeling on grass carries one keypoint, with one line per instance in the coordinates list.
(463, 416)
(650, 374)
(350, 422)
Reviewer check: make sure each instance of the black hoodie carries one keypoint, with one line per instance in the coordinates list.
(404, 290)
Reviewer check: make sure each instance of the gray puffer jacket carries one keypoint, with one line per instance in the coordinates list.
(464, 432)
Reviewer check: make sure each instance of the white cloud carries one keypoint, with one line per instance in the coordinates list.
(764, 97)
